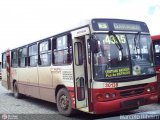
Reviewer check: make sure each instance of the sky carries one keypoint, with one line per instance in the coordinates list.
(26, 21)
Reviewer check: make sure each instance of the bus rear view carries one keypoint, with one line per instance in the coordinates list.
(156, 47)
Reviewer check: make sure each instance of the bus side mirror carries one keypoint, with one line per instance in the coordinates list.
(94, 45)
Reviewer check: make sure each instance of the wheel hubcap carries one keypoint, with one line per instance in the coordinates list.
(64, 102)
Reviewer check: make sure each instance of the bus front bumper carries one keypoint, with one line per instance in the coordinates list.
(125, 103)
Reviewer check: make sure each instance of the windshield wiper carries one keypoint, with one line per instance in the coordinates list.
(136, 43)
(136, 39)
(117, 43)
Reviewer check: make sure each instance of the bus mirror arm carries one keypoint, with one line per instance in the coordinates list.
(94, 44)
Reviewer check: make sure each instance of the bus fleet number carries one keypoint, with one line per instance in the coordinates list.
(111, 85)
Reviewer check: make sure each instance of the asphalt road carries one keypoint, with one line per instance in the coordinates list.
(29, 108)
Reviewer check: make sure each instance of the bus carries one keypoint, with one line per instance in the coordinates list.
(156, 47)
(98, 67)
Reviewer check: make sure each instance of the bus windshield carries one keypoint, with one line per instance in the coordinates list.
(135, 57)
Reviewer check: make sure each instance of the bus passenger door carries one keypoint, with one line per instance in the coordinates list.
(6, 70)
(80, 70)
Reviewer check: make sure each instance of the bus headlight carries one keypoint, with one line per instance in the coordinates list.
(152, 88)
(99, 97)
(148, 89)
(107, 95)
(113, 95)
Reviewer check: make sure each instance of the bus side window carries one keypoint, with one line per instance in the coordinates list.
(4, 60)
(45, 53)
(14, 58)
(69, 50)
(22, 57)
(157, 48)
(33, 55)
(78, 53)
(157, 53)
(62, 50)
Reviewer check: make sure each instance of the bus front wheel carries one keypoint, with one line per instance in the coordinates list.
(16, 91)
(64, 105)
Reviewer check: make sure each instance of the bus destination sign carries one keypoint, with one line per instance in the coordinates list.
(118, 25)
(124, 26)
(103, 25)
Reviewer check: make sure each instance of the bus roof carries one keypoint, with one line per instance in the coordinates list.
(112, 24)
(155, 37)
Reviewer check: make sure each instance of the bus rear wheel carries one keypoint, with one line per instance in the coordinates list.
(16, 91)
(64, 105)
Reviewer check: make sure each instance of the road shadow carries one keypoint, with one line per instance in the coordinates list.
(52, 107)
(77, 116)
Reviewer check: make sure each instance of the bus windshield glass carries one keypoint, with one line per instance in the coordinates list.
(135, 57)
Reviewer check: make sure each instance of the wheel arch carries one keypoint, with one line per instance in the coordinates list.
(62, 90)
(14, 82)
(58, 88)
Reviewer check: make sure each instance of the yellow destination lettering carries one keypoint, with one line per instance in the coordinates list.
(117, 72)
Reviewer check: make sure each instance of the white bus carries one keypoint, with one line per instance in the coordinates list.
(103, 66)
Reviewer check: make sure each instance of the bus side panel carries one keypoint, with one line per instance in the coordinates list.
(63, 76)
(33, 82)
(14, 76)
(22, 80)
(4, 78)
(46, 84)
(28, 81)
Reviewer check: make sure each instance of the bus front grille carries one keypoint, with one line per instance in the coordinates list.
(131, 92)
(133, 103)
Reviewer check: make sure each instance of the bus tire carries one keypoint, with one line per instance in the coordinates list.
(16, 91)
(64, 104)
